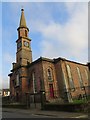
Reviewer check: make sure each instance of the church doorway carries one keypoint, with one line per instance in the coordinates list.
(51, 91)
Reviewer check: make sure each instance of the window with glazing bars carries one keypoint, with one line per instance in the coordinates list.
(80, 77)
(71, 83)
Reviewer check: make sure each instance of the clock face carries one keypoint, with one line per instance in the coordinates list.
(19, 45)
(26, 44)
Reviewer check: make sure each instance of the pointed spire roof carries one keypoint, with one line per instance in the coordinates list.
(22, 19)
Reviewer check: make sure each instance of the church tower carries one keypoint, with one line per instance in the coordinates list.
(24, 53)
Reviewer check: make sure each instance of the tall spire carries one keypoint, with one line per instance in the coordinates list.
(22, 20)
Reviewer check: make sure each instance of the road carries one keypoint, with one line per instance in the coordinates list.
(12, 114)
(19, 113)
(7, 114)
(0, 112)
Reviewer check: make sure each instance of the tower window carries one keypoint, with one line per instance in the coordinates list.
(18, 34)
(25, 33)
(17, 80)
(28, 81)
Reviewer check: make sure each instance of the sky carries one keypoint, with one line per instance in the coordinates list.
(1, 45)
(57, 29)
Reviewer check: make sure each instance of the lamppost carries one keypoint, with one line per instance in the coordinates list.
(42, 99)
(42, 93)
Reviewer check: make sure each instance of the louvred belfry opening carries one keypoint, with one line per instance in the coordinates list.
(22, 29)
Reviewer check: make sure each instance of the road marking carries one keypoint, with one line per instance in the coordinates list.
(39, 115)
(82, 116)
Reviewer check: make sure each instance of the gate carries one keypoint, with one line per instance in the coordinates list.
(33, 100)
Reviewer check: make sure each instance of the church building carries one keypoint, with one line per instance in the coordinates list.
(60, 78)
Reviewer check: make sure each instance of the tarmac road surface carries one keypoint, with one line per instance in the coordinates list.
(34, 113)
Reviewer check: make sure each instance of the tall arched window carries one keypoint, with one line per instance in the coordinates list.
(71, 83)
(50, 74)
(34, 82)
(17, 80)
(86, 74)
(80, 78)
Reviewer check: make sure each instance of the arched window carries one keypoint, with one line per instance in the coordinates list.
(80, 77)
(70, 77)
(34, 82)
(25, 33)
(86, 74)
(17, 80)
(50, 74)
(28, 82)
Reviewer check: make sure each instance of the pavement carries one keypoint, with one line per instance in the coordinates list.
(55, 114)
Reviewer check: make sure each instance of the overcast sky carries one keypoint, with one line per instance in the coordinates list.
(57, 29)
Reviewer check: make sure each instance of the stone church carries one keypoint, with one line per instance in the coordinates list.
(58, 78)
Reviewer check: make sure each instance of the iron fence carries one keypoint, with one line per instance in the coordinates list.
(60, 96)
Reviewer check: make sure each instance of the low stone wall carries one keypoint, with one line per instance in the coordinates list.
(6, 100)
(20, 106)
(67, 107)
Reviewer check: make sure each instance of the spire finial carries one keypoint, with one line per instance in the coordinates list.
(22, 9)
(22, 19)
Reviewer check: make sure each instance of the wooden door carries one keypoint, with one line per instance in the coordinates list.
(51, 91)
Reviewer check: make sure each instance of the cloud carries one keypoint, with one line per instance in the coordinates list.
(45, 0)
(4, 82)
(8, 58)
(0, 35)
(6, 67)
(0, 82)
(69, 40)
(54, 39)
